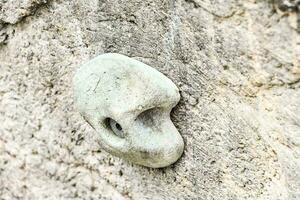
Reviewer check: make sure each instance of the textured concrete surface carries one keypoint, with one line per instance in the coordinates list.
(237, 66)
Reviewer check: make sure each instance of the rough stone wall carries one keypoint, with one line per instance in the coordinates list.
(236, 63)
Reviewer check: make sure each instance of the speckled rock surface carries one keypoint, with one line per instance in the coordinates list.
(237, 67)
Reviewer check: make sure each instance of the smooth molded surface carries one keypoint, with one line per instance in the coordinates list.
(128, 103)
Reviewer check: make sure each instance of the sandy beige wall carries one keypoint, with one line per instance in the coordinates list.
(236, 63)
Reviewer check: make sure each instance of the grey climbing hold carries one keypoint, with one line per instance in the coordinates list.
(128, 103)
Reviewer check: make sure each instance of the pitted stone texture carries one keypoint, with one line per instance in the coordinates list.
(128, 103)
(13, 11)
(236, 66)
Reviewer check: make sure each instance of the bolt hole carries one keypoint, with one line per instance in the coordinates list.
(119, 127)
(115, 127)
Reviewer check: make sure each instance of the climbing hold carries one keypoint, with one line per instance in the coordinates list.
(128, 103)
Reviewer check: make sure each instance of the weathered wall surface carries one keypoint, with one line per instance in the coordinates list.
(236, 63)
